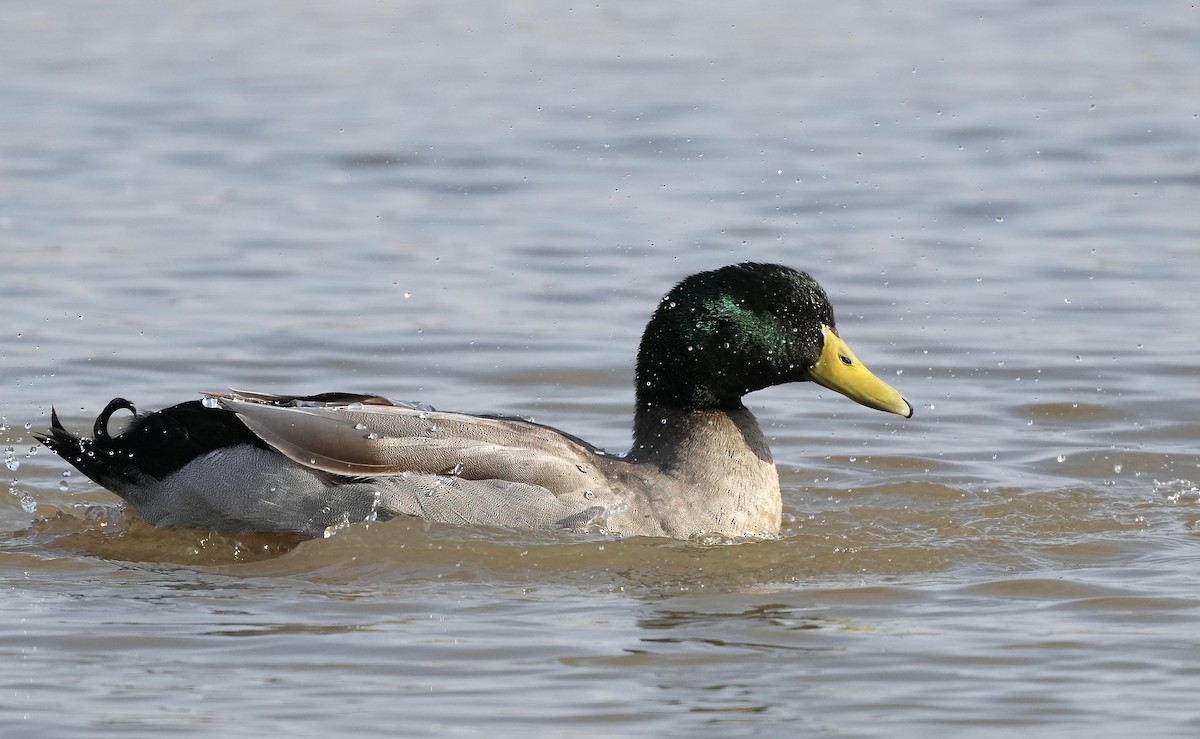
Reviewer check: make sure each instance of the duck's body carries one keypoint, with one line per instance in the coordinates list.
(251, 462)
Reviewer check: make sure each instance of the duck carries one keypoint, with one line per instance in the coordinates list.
(700, 466)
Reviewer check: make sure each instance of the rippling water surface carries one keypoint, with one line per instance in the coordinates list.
(478, 205)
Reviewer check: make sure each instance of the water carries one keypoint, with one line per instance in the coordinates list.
(477, 206)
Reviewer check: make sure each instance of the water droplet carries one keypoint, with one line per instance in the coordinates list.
(63, 485)
(360, 427)
(589, 495)
(210, 402)
(1061, 458)
(1117, 468)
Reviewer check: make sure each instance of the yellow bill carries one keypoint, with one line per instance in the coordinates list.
(838, 369)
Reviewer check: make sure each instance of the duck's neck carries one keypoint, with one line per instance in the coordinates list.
(673, 438)
(677, 416)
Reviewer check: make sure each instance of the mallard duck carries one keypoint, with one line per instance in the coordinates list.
(243, 462)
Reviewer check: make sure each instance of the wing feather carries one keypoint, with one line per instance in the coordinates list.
(377, 440)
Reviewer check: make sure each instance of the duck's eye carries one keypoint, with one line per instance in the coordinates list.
(845, 360)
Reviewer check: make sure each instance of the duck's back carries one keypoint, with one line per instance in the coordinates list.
(243, 462)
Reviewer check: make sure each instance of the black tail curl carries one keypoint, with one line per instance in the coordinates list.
(100, 428)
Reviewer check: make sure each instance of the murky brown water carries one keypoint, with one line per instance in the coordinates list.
(478, 206)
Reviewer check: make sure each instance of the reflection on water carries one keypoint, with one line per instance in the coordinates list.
(479, 207)
(885, 531)
(112, 532)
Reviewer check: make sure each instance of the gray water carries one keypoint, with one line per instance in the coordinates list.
(477, 205)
